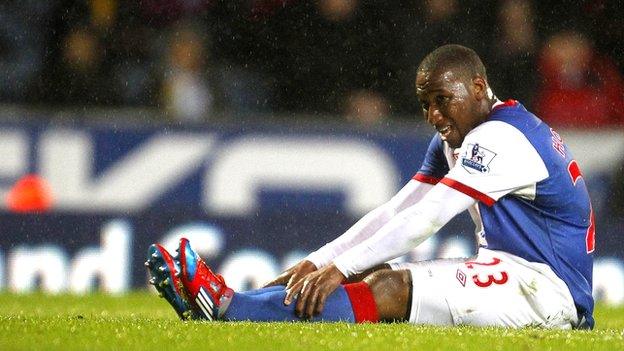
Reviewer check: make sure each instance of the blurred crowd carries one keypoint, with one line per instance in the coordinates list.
(196, 60)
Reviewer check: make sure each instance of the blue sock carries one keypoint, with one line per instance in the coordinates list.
(267, 305)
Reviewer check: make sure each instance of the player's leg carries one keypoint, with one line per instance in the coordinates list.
(427, 302)
(270, 307)
(214, 300)
(510, 291)
(383, 295)
(493, 289)
(392, 291)
(350, 302)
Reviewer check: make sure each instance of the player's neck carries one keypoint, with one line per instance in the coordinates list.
(491, 100)
(485, 108)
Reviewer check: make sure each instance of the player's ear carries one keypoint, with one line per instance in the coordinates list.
(479, 87)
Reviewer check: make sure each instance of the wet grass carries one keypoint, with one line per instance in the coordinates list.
(140, 321)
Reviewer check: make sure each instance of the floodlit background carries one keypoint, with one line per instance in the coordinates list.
(261, 129)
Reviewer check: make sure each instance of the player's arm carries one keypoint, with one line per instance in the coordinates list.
(402, 233)
(368, 225)
(410, 194)
(433, 168)
(406, 230)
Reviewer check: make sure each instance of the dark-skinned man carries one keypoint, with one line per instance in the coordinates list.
(511, 171)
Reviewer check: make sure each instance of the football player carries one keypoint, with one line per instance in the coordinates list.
(510, 170)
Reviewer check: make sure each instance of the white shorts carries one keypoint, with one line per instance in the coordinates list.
(493, 289)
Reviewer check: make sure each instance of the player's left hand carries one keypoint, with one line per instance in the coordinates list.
(313, 290)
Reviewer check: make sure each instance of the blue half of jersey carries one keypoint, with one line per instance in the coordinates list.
(553, 228)
(435, 165)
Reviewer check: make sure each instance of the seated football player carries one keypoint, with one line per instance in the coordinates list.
(510, 170)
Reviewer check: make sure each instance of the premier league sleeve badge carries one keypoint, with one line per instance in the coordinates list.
(476, 159)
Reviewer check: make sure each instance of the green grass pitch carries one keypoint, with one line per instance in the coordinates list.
(141, 321)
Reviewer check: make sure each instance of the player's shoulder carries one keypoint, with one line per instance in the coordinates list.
(502, 143)
(506, 127)
(500, 148)
(516, 115)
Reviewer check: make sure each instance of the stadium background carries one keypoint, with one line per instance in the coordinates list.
(262, 129)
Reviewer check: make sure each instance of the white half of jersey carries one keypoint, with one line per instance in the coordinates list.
(501, 161)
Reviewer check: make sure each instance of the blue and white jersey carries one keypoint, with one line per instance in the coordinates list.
(532, 199)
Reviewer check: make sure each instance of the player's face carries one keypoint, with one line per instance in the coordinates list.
(448, 104)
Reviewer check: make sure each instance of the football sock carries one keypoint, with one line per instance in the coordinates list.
(363, 302)
(348, 303)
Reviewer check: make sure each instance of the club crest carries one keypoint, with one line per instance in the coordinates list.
(477, 158)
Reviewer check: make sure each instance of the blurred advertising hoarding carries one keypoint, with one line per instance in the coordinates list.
(253, 199)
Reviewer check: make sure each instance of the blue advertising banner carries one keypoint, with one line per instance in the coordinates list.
(253, 199)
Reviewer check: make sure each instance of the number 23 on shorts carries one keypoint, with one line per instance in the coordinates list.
(498, 278)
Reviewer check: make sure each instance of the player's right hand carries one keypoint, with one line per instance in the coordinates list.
(293, 274)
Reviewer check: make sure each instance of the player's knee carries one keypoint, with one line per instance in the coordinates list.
(391, 290)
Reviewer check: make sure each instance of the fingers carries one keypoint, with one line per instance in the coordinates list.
(293, 292)
(293, 274)
(308, 301)
(293, 279)
(299, 273)
(302, 300)
(311, 300)
(312, 290)
(310, 307)
(320, 304)
(280, 280)
(276, 281)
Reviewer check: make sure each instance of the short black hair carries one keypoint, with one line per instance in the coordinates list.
(465, 61)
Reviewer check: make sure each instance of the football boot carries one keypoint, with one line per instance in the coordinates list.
(164, 273)
(207, 291)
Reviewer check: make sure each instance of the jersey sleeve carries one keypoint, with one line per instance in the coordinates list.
(494, 160)
(434, 166)
(410, 194)
(405, 230)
